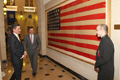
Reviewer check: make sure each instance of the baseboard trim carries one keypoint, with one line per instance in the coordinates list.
(42, 56)
(64, 67)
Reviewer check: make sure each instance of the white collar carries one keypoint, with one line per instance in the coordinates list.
(15, 34)
(30, 34)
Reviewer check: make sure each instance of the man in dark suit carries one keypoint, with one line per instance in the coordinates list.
(16, 52)
(105, 54)
(33, 42)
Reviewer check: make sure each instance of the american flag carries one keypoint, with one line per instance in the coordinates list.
(78, 22)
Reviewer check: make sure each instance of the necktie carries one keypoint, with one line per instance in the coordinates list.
(19, 38)
(31, 38)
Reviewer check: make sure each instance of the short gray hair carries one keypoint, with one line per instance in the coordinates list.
(104, 27)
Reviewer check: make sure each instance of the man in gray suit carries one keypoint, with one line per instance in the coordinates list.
(33, 43)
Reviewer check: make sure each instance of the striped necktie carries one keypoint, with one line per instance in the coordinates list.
(31, 38)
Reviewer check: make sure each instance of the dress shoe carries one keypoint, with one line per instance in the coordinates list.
(34, 74)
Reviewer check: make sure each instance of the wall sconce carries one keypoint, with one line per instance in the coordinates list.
(5, 13)
(4, 8)
(5, 2)
(21, 14)
(12, 2)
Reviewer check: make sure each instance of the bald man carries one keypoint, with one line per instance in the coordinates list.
(105, 54)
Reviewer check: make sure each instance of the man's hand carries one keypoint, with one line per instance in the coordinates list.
(25, 54)
(97, 69)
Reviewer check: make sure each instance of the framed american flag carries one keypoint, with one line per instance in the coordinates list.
(71, 28)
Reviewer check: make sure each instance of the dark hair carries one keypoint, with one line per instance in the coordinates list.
(104, 27)
(30, 28)
(14, 26)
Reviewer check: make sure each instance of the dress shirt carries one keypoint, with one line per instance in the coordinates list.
(32, 37)
(16, 36)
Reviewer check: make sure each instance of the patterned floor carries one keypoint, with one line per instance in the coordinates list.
(47, 70)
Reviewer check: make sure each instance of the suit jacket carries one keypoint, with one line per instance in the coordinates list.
(32, 47)
(16, 49)
(105, 59)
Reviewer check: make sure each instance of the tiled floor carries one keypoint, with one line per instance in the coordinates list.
(47, 70)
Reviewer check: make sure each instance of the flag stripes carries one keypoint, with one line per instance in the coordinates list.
(89, 46)
(79, 27)
(93, 42)
(83, 9)
(88, 17)
(74, 51)
(78, 22)
(88, 37)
